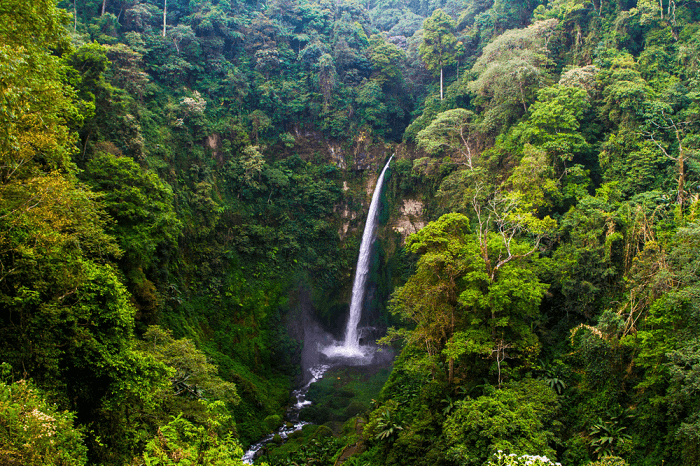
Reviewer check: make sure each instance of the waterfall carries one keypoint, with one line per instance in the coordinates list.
(352, 339)
(351, 346)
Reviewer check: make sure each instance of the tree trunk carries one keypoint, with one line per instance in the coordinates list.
(681, 169)
(75, 17)
(522, 95)
(441, 95)
(451, 374)
(165, 14)
(104, 5)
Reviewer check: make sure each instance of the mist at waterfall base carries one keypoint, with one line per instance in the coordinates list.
(321, 352)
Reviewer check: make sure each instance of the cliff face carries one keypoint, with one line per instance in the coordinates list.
(410, 218)
(403, 212)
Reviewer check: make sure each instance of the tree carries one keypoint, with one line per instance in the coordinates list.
(37, 106)
(509, 72)
(370, 101)
(624, 88)
(439, 44)
(192, 376)
(554, 124)
(662, 121)
(517, 419)
(472, 293)
(385, 58)
(429, 297)
(451, 131)
(179, 33)
(667, 341)
(141, 204)
(182, 442)
(326, 74)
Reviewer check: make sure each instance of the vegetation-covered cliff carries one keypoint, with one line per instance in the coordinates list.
(178, 179)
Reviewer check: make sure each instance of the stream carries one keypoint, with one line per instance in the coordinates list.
(292, 415)
(370, 358)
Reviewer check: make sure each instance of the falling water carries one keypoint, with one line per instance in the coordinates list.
(351, 346)
(349, 352)
(352, 339)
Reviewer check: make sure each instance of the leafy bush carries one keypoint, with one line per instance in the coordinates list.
(501, 459)
(517, 418)
(33, 432)
(181, 442)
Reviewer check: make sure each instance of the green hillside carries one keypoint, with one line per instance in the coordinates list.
(180, 181)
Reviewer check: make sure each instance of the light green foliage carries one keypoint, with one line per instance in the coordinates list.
(191, 374)
(509, 72)
(182, 443)
(634, 162)
(649, 10)
(384, 423)
(387, 427)
(609, 461)
(609, 438)
(502, 459)
(471, 294)
(560, 9)
(624, 89)
(449, 133)
(534, 178)
(34, 432)
(518, 418)
(554, 123)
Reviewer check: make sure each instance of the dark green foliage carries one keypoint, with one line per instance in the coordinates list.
(313, 445)
(201, 165)
(343, 394)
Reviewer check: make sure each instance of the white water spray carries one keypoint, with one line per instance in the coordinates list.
(351, 345)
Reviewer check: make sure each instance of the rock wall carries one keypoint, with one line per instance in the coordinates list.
(410, 219)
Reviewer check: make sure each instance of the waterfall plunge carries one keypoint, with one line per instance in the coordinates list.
(351, 346)
(349, 352)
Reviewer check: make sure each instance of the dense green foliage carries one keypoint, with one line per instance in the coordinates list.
(176, 177)
(34, 432)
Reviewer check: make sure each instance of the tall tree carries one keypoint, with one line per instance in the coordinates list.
(510, 71)
(474, 293)
(452, 132)
(439, 46)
